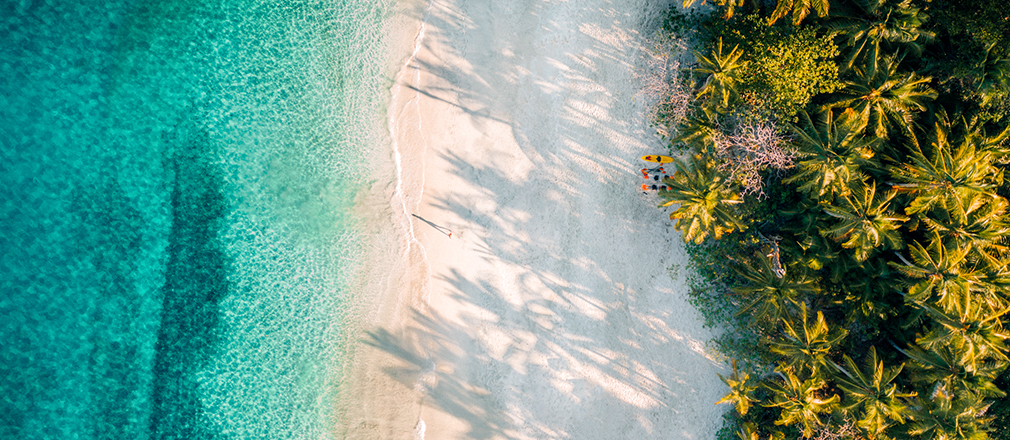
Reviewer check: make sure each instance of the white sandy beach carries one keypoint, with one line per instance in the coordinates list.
(552, 311)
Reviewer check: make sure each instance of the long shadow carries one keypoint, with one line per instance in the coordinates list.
(438, 340)
(562, 364)
(196, 280)
(109, 236)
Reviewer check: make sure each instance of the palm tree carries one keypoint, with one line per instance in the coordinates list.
(721, 73)
(976, 333)
(975, 134)
(980, 228)
(769, 296)
(699, 130)
(831, 154)
(807, 343)
(800, 400)
(947, 174)
(741, 390)
(992, 73)
(799, 9)
(882, 97)
(872, 390)
(948, 419)
(868, 295)
(994, 287)
(943, 272)
(823, 253)
(880, 22)
(749, 431)
(811, 249)
(940, 367)
(865, 221)
(706, 201)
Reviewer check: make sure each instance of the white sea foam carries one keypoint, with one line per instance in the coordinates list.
(408, 203)
(419, 430)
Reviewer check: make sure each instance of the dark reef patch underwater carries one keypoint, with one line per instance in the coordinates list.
(176, 179)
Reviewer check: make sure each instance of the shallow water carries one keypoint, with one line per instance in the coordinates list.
(176, 181)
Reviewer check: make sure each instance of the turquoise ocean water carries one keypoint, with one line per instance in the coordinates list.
(176, 178)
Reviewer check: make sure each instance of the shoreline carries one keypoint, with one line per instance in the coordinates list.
(549, 312)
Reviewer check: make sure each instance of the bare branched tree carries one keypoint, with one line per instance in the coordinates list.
(845, 431)
(748, 147)
(664, 88)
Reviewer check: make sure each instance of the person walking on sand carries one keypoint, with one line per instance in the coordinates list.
(438, 228)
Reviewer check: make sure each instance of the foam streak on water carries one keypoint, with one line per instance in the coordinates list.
(176, 187)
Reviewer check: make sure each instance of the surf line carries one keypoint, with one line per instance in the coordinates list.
(395, 124)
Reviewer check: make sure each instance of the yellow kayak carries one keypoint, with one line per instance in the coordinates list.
(658, 159)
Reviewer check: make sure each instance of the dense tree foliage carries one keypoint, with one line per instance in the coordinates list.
(865, 272)
(781, 67)
(969, 54)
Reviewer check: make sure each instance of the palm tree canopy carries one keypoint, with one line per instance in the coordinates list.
(980, 227)
(722, 74)
(741, 390)
(799, 9)
(876, 23)
(699, 129)
(749, 431)
(885, 98)
(813, 250)
(942, 366)
(947, 419)
(991, 72)
(940, 273)
(865, 221)
(800, 400)
(831, 154)
(807, 343)
(889, 220)
(706, 201)
(769, 296)
(946, 174)
(871, 389)
(976, 332)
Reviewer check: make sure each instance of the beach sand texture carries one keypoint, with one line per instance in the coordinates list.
(558, 307)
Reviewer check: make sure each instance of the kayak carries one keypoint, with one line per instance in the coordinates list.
(658, 158)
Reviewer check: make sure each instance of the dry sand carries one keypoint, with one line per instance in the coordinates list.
(552, 311)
